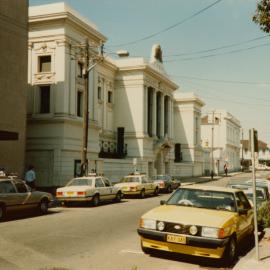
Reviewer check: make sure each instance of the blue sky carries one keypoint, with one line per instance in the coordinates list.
(236, 81)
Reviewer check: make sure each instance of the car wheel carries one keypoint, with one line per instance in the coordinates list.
(230, 252)
(96, 200)
(118, 197)
(2, 212)
(156, 191)
(43, 207)
(142, 194)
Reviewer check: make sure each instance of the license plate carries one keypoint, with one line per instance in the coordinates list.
(70, 193)
(176, 239)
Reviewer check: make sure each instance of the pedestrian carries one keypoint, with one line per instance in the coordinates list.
(226, 169)
(30, 177)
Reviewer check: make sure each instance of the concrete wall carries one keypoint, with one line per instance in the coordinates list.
(13, 81)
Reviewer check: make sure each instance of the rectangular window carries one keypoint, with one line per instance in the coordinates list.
(80, 70)
(79, 103)
(45, 99)
(44, 63)
(109, 96)
(99, 92)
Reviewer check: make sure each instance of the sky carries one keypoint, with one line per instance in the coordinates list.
(235, 77)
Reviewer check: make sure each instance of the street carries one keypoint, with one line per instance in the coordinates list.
(95, 238)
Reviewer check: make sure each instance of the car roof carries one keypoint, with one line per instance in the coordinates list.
(211, 188)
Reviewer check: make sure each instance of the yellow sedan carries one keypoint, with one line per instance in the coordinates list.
(199, 220)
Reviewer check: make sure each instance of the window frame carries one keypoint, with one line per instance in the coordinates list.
(40, 70)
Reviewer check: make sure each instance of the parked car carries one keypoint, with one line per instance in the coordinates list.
(203, 221)
(92, 188)
(137, 184)
(260, 183)
(16, 195)
(261, 192)
(166, 182)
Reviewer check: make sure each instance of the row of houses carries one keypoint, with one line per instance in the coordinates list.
(137, 114)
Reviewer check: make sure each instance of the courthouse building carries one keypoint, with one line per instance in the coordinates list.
(133, 113)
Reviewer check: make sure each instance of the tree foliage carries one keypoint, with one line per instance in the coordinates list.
(262, 15)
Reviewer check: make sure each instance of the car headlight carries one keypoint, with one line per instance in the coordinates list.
(148, 224)
(160, 225)
(193, 230)
(212, 232)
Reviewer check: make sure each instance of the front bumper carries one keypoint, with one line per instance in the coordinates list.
(195, 245)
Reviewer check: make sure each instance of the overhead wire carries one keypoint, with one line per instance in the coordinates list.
(169, 27)
(218, 54)
(218, 48)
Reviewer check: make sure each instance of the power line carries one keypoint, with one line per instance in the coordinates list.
(218, 54)
(169, 27)
(218, 48)
(220, 81)
(219, 98)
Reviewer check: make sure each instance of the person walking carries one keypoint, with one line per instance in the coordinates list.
(226, 169)
(30, 177)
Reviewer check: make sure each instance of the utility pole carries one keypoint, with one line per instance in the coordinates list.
(86, 69)
(212, 145)
(242, 159)
(254, 147)
(84, 161)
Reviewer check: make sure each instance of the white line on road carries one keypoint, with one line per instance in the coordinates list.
(131, 251)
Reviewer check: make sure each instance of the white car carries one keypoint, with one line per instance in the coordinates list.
(261, 182)
(137, 184)
(90, 188)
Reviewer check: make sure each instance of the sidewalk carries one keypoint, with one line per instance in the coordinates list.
(204, 179)
(249, 261)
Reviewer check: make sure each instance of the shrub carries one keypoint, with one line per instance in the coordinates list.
(264, 215)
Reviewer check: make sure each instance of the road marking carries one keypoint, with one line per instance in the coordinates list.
(131, 251)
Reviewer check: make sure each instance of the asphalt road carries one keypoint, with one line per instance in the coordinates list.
(88, 238)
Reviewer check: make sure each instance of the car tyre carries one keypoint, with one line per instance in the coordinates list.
(95, 200)
(2, 212)
(142, 194)
(230, 252)
(43, 207)
(118, 197)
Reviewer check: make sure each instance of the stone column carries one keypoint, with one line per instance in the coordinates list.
(145, 108)
(162, 115)
(154, 121)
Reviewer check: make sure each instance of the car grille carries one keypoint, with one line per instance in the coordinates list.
(184, 229)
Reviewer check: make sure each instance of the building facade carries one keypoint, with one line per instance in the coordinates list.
(187, 136)
(132, 109)
(221, 133)
(13, 83)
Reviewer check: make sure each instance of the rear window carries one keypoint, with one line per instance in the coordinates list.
(131, 179)
(7, 187)
(80, 182)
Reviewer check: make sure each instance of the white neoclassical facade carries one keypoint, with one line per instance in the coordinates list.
(226, 139)
(133, 115)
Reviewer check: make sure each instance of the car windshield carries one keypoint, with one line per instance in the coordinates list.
(130, 179)
(203, 199)
(259, 194)
(80, 182)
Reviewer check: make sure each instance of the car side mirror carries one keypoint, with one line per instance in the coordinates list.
(162, 202)
(242, 212)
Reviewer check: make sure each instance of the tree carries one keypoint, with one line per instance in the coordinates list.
(262, 15)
